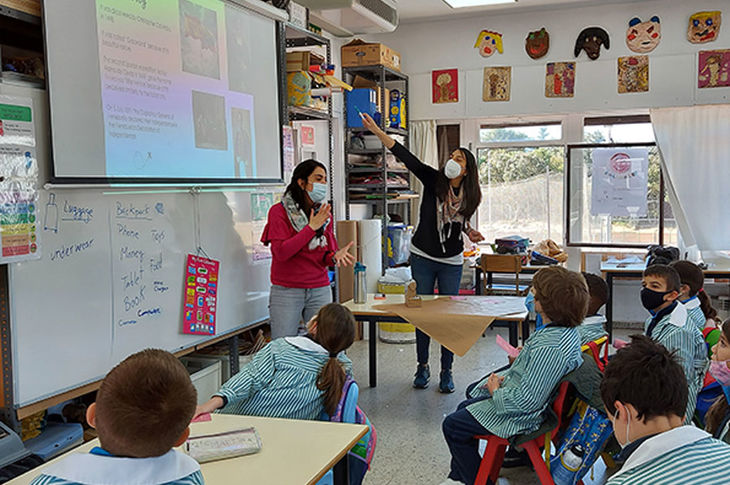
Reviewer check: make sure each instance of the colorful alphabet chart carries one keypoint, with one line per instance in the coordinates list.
(201, 293)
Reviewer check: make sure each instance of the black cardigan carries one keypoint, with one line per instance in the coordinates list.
(426, 237)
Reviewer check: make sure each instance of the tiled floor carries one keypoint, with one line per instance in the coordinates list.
(411, 448)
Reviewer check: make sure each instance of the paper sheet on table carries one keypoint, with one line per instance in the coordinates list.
(455, 323)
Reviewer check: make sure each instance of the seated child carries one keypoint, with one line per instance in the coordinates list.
(645, 393)
(293, 377)
(513, 403)
(593, 327)
(717, 418)
(693, 296)
(670, 327)
(142, 411)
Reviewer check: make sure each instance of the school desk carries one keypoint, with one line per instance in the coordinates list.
(526, 269)
(635, 271)
(293, 451)
(441, 329)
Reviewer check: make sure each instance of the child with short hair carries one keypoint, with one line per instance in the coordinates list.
(513, 403)
(693, 296)
(669, 326)
(644, 392)
(717, 418)
(142, 410)
(293, 377)
(593, 327)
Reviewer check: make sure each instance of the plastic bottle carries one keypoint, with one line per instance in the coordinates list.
(360, 290)
(564, 471)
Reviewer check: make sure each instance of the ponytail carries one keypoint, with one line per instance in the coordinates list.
(706, 305)
(335, 332)
(715, 415)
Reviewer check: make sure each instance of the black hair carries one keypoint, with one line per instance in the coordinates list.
(667, 273)
(469, 184)
(591, 32)
(647, 376)
(597, 288)
(302, 172)
(691, 275)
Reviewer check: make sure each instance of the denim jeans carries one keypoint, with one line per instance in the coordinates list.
(459, 429)
(428, 274)
(289, 306)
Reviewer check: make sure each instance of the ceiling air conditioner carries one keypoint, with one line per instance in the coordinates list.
(347, 17)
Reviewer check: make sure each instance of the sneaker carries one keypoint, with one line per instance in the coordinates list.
(423, 373)
(514, 458)
(446, 383)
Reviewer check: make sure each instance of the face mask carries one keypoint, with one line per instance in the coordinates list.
(530, 305)
(652, 299)
(628, 430)
(318, 193)
(452, 169)
(719, 370)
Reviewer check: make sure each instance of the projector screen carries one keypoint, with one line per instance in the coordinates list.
(162, 90)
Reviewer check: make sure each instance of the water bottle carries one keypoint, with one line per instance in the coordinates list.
(564, 471)
(360, 290)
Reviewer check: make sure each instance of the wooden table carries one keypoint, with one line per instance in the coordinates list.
(635, 271)
(372, 316)
(293, 451)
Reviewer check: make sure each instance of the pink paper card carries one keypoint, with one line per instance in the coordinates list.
(205, 417)
(458, 298)
(619, 344)
(511, 351)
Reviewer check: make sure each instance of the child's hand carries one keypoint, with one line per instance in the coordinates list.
(493, 383)
(216, 402)
(512, 359)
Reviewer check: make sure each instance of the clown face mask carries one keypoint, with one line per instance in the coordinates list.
(488, 43)
(537, 43)
(643, 37)
(590, 40)
(704, 27)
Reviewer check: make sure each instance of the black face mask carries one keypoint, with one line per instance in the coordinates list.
(652, 299)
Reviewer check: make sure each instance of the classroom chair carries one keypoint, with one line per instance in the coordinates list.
(502, 264)
(348, 416)
(496, 447)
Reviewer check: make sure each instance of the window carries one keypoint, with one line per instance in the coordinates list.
(520, 133)
(618, 129)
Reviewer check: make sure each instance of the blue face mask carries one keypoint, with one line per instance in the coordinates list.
(530, 305)
(318, 194)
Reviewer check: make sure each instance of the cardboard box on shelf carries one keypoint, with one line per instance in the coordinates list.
(298, 61)
(361, 53)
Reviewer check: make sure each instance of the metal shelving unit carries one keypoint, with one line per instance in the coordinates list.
(383, 77)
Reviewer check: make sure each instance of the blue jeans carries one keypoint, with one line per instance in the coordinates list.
(459, 429)
(289, 306)
(427, 273)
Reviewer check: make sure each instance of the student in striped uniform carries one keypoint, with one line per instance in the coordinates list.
(693, 296)
(513, 403)
(293, 377)
(717, 418)
(593, 327)
(669, 326)
(142, 411)
(644, 392)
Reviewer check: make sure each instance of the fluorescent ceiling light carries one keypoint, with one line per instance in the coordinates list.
(475, 3)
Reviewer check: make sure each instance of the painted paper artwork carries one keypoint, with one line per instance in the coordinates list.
(591, 39)
(445, 86)
(560, 80)
(714, 69)
(633, 74)
(643, 37)
(489, 42)
(497, 83)
(537, 43)
(704, 27)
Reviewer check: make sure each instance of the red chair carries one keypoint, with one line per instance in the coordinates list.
(496, 447)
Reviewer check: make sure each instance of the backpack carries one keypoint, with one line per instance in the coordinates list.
(661, 255)
(511, 245)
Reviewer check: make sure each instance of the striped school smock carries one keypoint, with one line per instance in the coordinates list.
(592, 328)
(280, 381)
(676, 333)
(681, 456)
(695, 313)
(517, 406)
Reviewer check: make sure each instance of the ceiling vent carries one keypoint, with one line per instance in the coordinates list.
(347, 17)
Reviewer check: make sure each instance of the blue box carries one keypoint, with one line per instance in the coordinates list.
(55, 439)
(365, 100)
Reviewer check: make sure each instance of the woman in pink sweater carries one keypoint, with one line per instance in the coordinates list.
(303, 246)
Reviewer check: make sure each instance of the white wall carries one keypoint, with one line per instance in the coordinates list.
(446, 44)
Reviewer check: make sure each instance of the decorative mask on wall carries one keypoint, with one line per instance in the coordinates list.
(590, 40)
(704, 27)
(488, 42)
(643, 37)
(537, 43)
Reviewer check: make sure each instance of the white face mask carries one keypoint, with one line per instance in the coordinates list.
(452, 169)
(628, 429)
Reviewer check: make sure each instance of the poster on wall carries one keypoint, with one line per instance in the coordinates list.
(560, 80)
(619, 181)
(201, 293)
(497, 83)
(18, 181)
(633, 74)
(261, 202)
(289, 151)
(445, 86)
(713, 69)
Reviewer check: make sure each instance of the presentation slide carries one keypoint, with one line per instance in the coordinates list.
(187, 90)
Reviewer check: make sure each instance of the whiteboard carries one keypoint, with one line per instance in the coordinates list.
(110, 280)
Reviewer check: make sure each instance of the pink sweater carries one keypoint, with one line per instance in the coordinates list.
(294, 265)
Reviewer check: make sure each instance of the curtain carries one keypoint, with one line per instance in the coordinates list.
(424, 145)
(695, 148)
